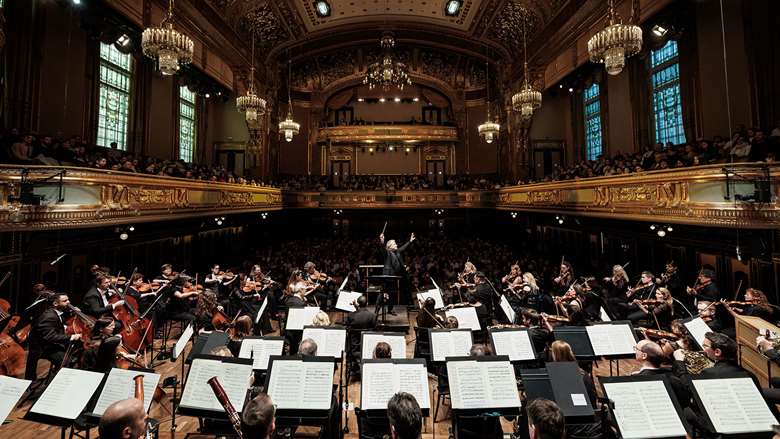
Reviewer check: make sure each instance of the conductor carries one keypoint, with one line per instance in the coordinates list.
(394, 264)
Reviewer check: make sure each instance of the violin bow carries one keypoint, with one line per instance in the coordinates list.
(384, 228)
(739, 287)
(5, 278)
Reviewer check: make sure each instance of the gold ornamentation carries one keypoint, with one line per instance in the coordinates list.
(118, 196)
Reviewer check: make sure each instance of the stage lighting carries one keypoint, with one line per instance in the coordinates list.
(123, 236)
(452, 7)
(323, 8)
(123, 40)
(659, 30)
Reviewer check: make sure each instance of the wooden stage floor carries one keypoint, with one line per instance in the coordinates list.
(17, 428)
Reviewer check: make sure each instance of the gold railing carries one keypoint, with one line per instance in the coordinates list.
(385, 133)
(92, 197)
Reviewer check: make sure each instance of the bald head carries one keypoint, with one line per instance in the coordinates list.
(651, 352)
(123, 419)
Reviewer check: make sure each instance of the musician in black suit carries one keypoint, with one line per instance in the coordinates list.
(47, 338)
(705, 288)
(363, 318)
(394, 266)
(483, 292)
(96, 300)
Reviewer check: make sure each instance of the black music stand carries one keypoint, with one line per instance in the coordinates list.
(381, 303)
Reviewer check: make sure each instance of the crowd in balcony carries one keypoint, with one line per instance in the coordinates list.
(389, 183)
(361, 122)
(745, 145)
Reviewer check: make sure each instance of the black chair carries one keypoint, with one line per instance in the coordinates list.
(442, 392)
(371, 428)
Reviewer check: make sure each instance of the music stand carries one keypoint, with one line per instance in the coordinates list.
(381, 303)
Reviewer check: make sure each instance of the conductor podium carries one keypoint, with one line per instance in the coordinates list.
(384, 291)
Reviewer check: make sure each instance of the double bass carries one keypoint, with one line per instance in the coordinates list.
(136, 331)
(12, 355)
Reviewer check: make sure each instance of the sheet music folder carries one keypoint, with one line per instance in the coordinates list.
(645, 407)
(302, 394)
(197, 398)
(483, 384)
(260, 349)
(205, 343)
(112, 394)
(514, 342)
(66, 397)
(423, 401)
(560, 382)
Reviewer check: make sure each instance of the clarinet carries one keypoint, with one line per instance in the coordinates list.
(223, 399)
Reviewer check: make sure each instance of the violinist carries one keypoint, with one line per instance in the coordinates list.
(242, 327)
(96, 300)
(140, 291)
(100, 355)
(483, 292)
(319, 281)
(514, 272)
(219, 281)
(538, 330)
(658, 311)
(623, 305)
(616, 284)
(670, 279)
(295, 293)
(708, 312)
(180, 307)
(427, 317)
(756, 304)
(565, 278)
(48, 338)
(705, 287)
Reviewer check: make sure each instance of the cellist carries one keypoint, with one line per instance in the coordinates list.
(96, 300)
(48, 338)
(100, 355)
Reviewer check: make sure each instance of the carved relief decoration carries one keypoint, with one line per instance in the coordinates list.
(666, 195)
(117, 196)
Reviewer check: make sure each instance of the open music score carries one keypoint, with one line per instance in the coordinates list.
(514, 343)
(644, 408)
(67, 394)
(11, 390)
(482, 383)
(507, 308)
(330, 341)
(298, 317)
(295, 383)
(233, 374)
(734, 405)
(381, 379)
(435, 294)
(181, 343)
(467, 317)
(450, 343)
(698, 328)
(260, 349)
(120, 385)
(346, 300)
(396, 340)
(612, 338)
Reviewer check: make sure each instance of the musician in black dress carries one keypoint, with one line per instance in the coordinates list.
(564, 280)
(394, 266)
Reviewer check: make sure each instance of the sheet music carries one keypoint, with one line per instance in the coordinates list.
(698, 327)
(643, 409)
(397, 344)
(68, 393)
(604, 315)
(508, 311)
(409, 378)
(467, 317)
(297, 318)
(261, 310)
(515, 343)
(120, 385)
(341, 287)
(11, 390)
(434, 283)
(295, 384)
(450, 344)
(611, 339)
(259, 350)
(346, 299)
(181, 343)
(330, 341)
(234, 378)
(482, 384)
(435, 294)
(734, 405)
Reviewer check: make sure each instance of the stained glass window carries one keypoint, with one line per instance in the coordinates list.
(187, 120)
(116, 76)
(592, 106)
(667, 104)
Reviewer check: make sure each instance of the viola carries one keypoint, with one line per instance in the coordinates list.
(220, 320)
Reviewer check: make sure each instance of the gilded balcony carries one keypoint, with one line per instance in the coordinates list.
(387, 133)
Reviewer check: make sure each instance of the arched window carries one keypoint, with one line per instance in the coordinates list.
(667, 105)
(116, 77)
(593, 136)
(187, 124)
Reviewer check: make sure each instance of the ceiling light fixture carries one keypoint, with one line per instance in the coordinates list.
(123, 40)
(165, 44)
(361, 99)
(416, 99)
(397, 99)
(250, 104)
(288, 126)
(489, 129)
(452, 7)
(659, 30)
(528, 98)
(612, 45)
(322, 8)
(387, 73)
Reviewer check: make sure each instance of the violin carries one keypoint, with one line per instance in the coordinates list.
(738, 303)
(458, 305)
(698, 286)
(658, 334)
(652, 302)
(557, 319)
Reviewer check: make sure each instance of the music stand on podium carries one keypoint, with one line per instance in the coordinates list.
(380, 287)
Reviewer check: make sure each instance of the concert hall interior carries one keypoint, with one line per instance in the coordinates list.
(403, 219)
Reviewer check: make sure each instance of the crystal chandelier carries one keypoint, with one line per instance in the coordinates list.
(170, 48)
(615, 43)
(250, 103)
(387, 73)
(288, 126)
(528, 98)
(489, 129)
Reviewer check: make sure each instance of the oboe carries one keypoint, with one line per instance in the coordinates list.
(233, 416)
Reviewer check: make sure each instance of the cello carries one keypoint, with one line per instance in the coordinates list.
(12, 355)
(136, 331)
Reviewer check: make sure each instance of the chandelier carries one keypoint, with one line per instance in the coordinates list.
(387, 73)
(528, 98)
(488, 130)
(250, 103)
(170, 48)
(288, 126)
(615, 43)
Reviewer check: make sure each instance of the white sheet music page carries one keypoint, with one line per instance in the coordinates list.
(376, 388)
(467, 317)
(297, 318)
(435, 294)
(501, 384)
(413, 379)
(468, 384)
(120, 385)
(515, 344)
(450, 344)
(261, 310)
(182, 341)
(259, 350)
(11, 390)
(330, 342)
(734, 405)
(698, 327)
(508, 311)
(234, 378)
(346, 299)
(397, 345)
(611, 339)
(604, 315)
(643, 409)
(68, 393)
(295, 384)
(317, 385)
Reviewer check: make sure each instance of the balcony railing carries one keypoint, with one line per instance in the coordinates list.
(388, 133)
(703, 195)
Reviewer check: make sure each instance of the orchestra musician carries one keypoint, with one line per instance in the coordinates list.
(124, 419)
(483, 292)
(427, 317)
(140, 291)
(565, 278)
(96, 300)
(319, 281)
(180, 307)
(295, 293)
(363, 318)
(394, 266)
(659, 311)
(705, 287)
(514, 272)
(48, 338)
(101, 354)
(616, 284)
(219, 282)
(756, 304)
(540, 335)
(623, 305)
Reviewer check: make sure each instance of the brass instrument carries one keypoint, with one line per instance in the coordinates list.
(233, 416)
